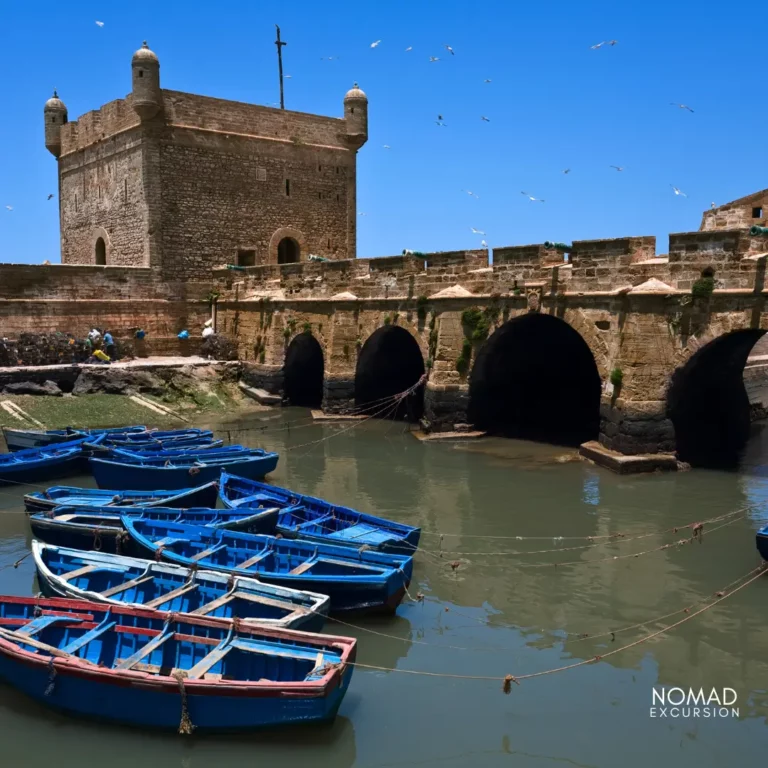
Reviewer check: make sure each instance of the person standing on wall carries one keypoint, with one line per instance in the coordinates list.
(109, 344)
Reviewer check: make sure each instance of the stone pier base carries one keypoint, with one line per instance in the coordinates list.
(338, 394)
(636, 427)
(445, 405)
(262, 376)
(625, 465)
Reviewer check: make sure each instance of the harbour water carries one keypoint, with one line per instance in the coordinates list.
(503, 609)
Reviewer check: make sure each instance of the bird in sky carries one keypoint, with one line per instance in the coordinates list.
(328, 58)
(440, 123)
(612, 42)
(485, 119)
(483, 244)
(409, 48)
(386, 146)
(99, 23)
(9, 207)
(678, 191)
(477, 231)
(470, 193)
(712, 205)
(287, 77)
(595, 47)
(486, 81)
(449, 49)
(532, 198)
(433, 59)
(567, 170)
(617, 167)
(50, 197)
(375, 43)
(361, 213)
(682, 106)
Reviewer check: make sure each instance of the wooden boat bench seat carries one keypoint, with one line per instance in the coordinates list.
(168, 596)
(80, 642)
(41, 622)
(206, 552)
(213, 658)
(144, 651)
(127, 585)
(316, 521)
(243, 502)
(79, 572)
(30, 641)
(305, 566)
(253, 560)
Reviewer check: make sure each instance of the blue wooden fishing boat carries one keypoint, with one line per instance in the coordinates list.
(33, 465)
(57, 495)
(178, 472)
(312, 519)
(19, 439)
(101, 528)
(163, 438)
(104, 578)
(354, 580)
(206, 452)
(762, 542)
(167, 671)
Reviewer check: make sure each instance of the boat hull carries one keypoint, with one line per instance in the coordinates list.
(762, 542)
(358, 592)
(248, 599)
(119, 476)
(149, 697)
(41, 501)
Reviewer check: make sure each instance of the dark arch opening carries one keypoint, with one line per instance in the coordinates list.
(536, 379)
(288, 251)
(101, 251)
(389, 363)
(303, 371)
(708, 403)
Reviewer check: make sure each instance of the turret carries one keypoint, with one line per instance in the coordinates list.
(356, 117)
(55, 113)
(147, 97)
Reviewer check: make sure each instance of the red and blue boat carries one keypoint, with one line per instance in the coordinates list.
(169, 671)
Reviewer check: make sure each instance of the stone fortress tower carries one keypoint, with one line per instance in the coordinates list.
(184, 183)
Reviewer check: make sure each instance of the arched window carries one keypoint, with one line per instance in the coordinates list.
(101, 251)
(288, 251)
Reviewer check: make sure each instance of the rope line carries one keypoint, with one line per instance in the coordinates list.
(720, 596)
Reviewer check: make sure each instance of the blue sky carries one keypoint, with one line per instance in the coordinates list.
(553, 104)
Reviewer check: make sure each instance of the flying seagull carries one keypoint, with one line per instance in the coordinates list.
(682, 106)
(677, 191)
(483, 244)
(617, 167)
(612, 42)
(409, 48)
(374, 44)
(386, 146)
(433, 59)
(449, 49)
(595, 47)
(567, 170)
(477, 231)
(50, 197)
(362, 214)
(99, 23)
(470, 193)
(9, 207)
(486, 81)
(485, 119)
(532, 198)
(328, 58)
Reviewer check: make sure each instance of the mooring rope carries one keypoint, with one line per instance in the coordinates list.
(508, 679)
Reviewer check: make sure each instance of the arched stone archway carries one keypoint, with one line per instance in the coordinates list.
(536, 378)
(390, 362)
(708, 403)
(285, 235)
(100, 246)
(288, 251)
(303, 371)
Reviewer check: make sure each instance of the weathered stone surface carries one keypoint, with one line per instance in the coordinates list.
(114, 381)
(31, 388)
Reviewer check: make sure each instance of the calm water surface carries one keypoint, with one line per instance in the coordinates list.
(491, 616)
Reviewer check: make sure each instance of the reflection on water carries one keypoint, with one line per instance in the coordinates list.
(492, 615)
